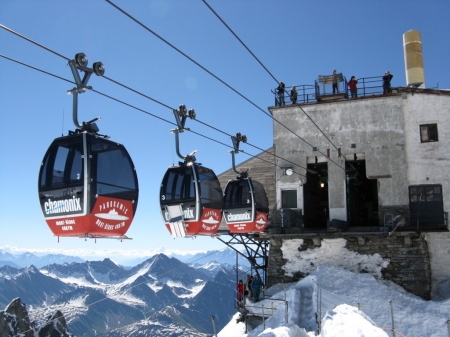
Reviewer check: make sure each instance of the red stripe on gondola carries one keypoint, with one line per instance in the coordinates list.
(109, 217)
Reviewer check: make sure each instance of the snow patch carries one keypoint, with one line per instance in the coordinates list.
(333, 252)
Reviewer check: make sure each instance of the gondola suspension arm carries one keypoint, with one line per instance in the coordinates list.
(236, 140)
(80, 64)
(180, 116)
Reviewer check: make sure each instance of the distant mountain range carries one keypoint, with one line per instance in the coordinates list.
(26, 259)
(226, 256)
(161, 296)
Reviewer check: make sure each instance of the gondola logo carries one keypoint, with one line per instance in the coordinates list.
(210, 220)
(238, 217)
(62, 206)
(112, 214)
(261, 221)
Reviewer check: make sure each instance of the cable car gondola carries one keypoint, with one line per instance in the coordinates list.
(246, 207)
(191, 199)
(88, 185)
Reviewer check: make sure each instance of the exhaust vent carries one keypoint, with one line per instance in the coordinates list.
(412, 46)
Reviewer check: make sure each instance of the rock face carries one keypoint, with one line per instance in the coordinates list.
(14, 320)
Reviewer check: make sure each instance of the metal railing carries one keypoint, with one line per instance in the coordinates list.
(370, 86)
(263, 312)
(307, 93)
(417, 221)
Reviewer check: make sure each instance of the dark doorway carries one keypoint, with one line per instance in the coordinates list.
(362, 195)
(315, 193)
(426, 206)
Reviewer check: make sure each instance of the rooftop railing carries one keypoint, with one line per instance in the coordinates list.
(311, 93)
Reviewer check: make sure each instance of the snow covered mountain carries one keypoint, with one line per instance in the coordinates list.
(30, 285)
(161, 295)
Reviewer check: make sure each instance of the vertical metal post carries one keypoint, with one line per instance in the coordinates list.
(286, 311)
(264, 320)
(272, 315)
(364, 88)
(359, 307)
(448, 327)
(237, 280)
(285, 305)
(214, 325)
(392, 315)
(246, 327)
(320, 309)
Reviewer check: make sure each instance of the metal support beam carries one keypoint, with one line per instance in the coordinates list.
(254, 249)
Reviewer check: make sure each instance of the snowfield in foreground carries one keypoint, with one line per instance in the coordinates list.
(335, 294)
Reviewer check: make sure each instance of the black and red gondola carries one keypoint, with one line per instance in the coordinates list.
(246, 207)
(88, 185)
(191, 199)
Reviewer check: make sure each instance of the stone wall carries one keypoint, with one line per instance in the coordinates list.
(408, 254)
(439, 251)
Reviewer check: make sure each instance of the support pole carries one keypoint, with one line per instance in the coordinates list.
(286, 311)
(320, 309)
(392, 315)
(214, 325)
(237, 278)
(272, 315)
(264, 320)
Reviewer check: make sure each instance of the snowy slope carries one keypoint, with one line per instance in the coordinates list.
(335, 293)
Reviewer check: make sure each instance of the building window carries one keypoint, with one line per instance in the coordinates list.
(425, 193)
(428, 133)
(289, 199)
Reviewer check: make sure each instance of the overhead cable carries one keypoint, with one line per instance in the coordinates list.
(265, 68)
(150, 114)
(146, 96)
(237, 37)
(216, 77)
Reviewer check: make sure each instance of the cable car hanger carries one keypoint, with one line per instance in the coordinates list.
(80, 64)
(236, 141)
(81, 195)
(180, 116)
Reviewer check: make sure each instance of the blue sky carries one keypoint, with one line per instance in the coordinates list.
(295, 40)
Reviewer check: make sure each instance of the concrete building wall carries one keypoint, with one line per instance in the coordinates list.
(428, 163)
(374, 125)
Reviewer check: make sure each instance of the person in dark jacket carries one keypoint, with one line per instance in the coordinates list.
(293, 95)
(249, 286)
(257, 285)
(387, 82)
(280, 92)
(353, 88)
(335, 83)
